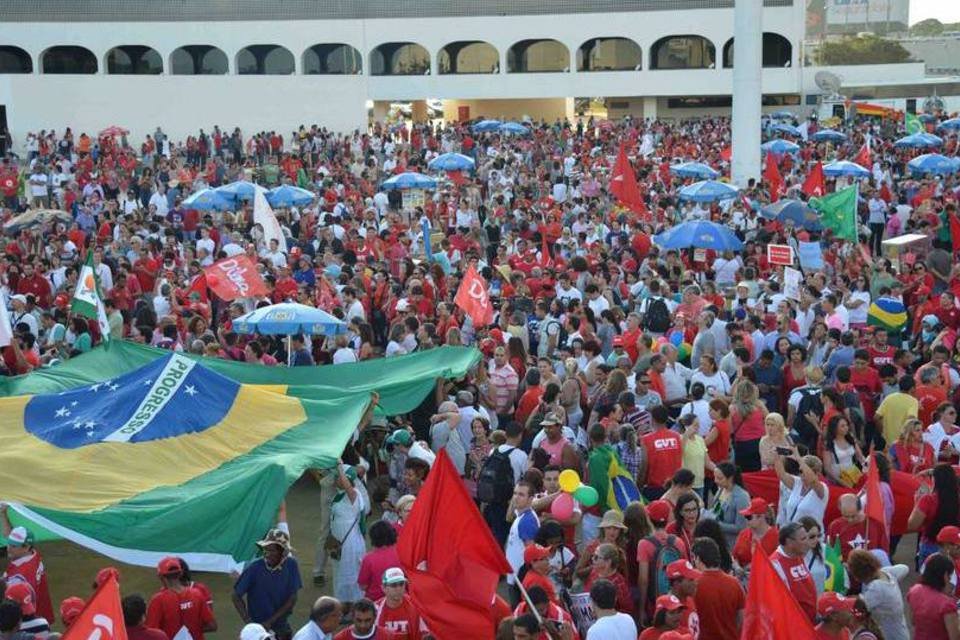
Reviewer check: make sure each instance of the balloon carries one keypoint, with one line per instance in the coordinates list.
(569, 480)
(662, 340)
(212, 280)
(562, 507)
(676, 338)
(586, 495)
(685, 350)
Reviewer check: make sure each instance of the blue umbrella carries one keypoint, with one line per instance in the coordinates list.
(514, 128)
(452, 162)
(951, 125)
(289, 318)
(709, 191)
(239, 190)
(788, 129)
(289, 196)
(409, 180)
(919, 141)
(933, 163)
(782, 115)
(487, 125)
(699, 234)
(694, 170)
(828, 135)
(208, 200)
(845, 168)
(795, 210)
(780, 146)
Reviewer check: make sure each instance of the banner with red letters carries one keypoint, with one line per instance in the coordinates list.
(235, 277)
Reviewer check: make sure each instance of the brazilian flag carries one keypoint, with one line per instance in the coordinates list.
(836, 580)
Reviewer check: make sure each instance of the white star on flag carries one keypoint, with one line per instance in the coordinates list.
(73, 404)
(190, 390)
(147, 382)
(113, 386)
(96, 387)
(89, 424)
(63, 412)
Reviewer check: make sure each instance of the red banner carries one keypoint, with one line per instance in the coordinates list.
(780, 254)
(235, 277)
(474, 299)
(102, 617)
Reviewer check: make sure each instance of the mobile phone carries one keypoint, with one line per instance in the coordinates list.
(783, 451)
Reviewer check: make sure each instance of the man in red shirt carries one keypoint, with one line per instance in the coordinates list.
(34, 283)
(949, 541)
(396, 612)
(177, 605)
(364, 624)
(719, 597)
(664, 453)
(880, 352)
(530, 398)
(855, 530)
(26, 563)
(788, 561)
(683, 584)
(930, 394)
(134, 616)
(866, 380)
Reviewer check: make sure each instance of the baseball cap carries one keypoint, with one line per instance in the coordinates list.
(758, 506)
(110, 572)
(659, 510)
(254, 631)
(394, 575)
(534, 552)
(949, 535)
(682, 569)
(19, 298)
(22, 594)
(169, 566)
(70, 609)
(669, 602)
(618, 341)
(832, 601)
(20, 537)
(401, 437)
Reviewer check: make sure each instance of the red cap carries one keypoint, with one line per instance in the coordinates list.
(949, 535)
(659, 510)
(488, 346)
(22, 594)
(70, 609)
(682, 569)
(758, 507)
(831, 601)
(675, 635)
(618, 341)
(669, 602)
(105, 574)
(535, 552)
(169, 566)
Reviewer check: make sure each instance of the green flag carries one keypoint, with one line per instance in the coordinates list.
(838, 211)
(87, 301)
(836, 577)
(913, 124)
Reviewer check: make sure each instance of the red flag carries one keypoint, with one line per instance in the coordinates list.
(235, 277)
(326, 296)
(199, 286)
(545, 260)
(955, 233)
(885, 194)
(474, 299)
(771, 174)
(815, 184)
(623, 184)
(727, 154)
(102, 617)
(874, 503)
(863, 157)
(771, 610)
(452, 562)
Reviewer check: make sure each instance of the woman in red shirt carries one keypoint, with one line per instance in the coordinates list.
(686, 514)
(608, 564)
(910, 453)
(759, 531)
(935, 509)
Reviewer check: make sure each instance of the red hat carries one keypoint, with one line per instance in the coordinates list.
(949, 535)
(675, 635)
(169, 566)
(669, 602)
(22, 594)
(618, 341)
(682, 569)
(659, 510)
(487, 347)
(535, 552)
(832, 601)
(70, 609)
(105, 574)
(758, 507)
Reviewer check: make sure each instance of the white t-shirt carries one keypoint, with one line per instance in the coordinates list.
(38, 184)
(859, 315)
(344, 354)
(726, 270)
(619, 626)
(799, 504)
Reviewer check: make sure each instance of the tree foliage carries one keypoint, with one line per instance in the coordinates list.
(928, 27)
(861, 50)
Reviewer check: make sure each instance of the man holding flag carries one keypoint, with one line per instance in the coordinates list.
(88, 300)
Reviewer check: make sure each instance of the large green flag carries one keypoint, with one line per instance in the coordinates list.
(913, 124)
(838, 211)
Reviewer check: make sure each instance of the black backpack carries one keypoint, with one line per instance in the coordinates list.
(495, 482)
(810, 400)
(657, 316)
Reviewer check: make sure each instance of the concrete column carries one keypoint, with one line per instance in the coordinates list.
(650, 107)
(418, 111)
(747, 91)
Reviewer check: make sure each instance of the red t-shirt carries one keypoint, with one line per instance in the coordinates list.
(690, 622)
(534, 579)
(929, 606)
(744, 547)
(719, 449)
(822, 634)
(31, 569)
(929, 397)
(664, 456)
(854, 535)
(880, 357)
(913, 459)
(379, 634)
(718, 599)
(403, 621)
(797, 577)
(169, 611)
(372, 567)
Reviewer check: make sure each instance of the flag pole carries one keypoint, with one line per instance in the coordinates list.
(533, 609)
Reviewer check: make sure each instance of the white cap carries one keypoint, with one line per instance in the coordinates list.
(403, 305)
(254, 631)
(394, 575)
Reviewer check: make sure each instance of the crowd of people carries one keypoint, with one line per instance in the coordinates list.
(687, 368)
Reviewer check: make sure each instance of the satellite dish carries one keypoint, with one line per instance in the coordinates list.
(827, 82)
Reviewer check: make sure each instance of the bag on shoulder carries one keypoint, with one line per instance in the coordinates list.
(657, 316)
(495, 482)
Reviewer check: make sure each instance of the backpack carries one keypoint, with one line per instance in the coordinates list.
(495, 482)
(561, 333)
(664, 553)
(657, 317)
(809, 401)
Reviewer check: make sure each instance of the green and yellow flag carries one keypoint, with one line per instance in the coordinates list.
(838, 211)
(836, 580)
(913, 124)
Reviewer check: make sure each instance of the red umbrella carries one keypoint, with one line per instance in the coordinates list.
(114, 130)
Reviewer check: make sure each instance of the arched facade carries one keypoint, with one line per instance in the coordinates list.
(399, 59)
(777, 51)
(609, 54)
(15, 60)
(683, 52)
(199, 60)
(134, 60)
(265, 60)
(68, 60)
(332, 59)
(468, 56)
(538, 56)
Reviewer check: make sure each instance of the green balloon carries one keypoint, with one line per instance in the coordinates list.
(586, 495)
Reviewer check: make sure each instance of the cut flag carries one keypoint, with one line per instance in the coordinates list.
(451, 560)
(838, 211)
(771, 174)
(474, 299)
(234, 277)
(623, 184)
(771, 610)
(87, 299)
(264, 216)
(836, 579)
(814, 185)
(102, 616)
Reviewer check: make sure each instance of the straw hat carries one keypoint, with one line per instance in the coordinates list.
(612, 518)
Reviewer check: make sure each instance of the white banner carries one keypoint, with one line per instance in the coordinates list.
(791, 283)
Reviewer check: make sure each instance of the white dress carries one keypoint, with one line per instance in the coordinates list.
(347, 569)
